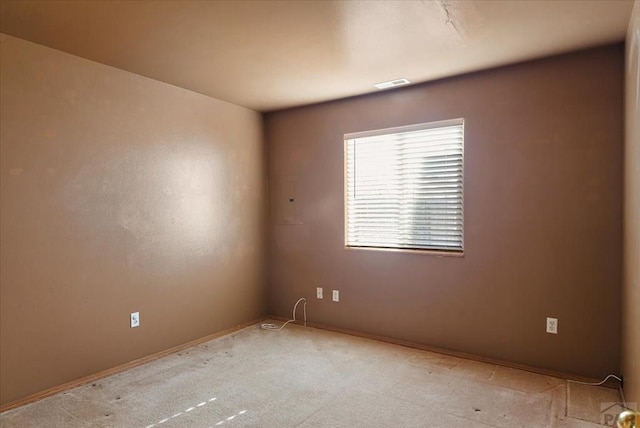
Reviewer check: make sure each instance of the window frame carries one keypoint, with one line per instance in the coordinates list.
(392, 130)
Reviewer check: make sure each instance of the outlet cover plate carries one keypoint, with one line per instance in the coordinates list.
(336, 295)
(552, 325)
(319, 292)
(135, 319)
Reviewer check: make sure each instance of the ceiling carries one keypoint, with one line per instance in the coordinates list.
(268, 55)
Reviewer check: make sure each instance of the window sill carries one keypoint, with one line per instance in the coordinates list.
(438, 253)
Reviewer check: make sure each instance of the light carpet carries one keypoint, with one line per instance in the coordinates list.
(306, 377)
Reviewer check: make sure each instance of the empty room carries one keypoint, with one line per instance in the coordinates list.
(417, 213)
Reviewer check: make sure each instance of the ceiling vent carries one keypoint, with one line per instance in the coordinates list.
(391, 83)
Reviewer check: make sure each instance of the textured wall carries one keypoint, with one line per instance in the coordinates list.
(631, 290)
(119, 194)
(543, 216)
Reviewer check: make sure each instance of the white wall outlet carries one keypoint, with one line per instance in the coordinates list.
(319, 292)
(336, 296)
(135, 319)
(552, 325)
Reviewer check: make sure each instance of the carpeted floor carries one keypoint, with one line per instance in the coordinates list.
(305, 377)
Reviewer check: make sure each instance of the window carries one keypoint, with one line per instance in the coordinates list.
(404, 187)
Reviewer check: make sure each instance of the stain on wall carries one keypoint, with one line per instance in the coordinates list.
(119, 194)
(543, 216)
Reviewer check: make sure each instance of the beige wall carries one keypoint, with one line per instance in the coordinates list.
(119, 194)
(631, 289)
(543, 216)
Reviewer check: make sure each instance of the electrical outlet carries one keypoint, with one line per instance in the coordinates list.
(135, 319)
(552, 325)
(319, 292)
(336, 296)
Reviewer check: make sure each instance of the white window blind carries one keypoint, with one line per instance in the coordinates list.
(404, 187)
